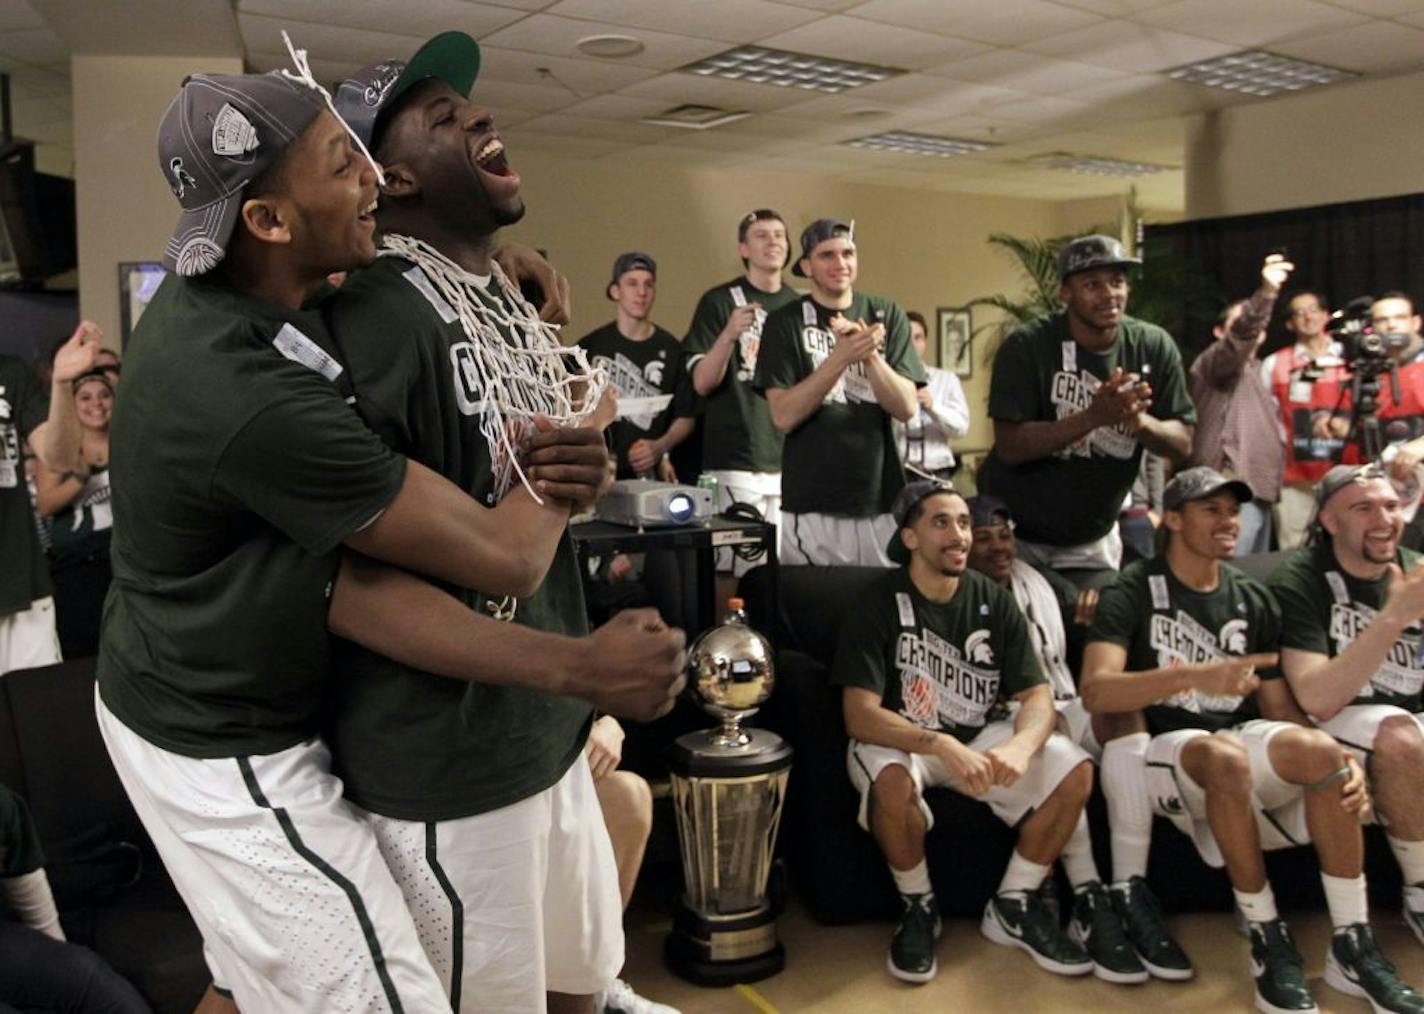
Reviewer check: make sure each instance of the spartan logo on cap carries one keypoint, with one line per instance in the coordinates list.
(234, 136)
(182, 179)
(386, 74)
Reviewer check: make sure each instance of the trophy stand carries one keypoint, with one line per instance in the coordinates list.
(728, 787)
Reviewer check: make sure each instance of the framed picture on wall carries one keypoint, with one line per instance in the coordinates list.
(138, 281)
(956, 331)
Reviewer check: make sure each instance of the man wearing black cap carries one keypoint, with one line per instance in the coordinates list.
(836, 367)
(741, 448)
(657, 407)
(1351, 651)
(1076, 396)
(1230, 759)
(927, 659)
(239, 471)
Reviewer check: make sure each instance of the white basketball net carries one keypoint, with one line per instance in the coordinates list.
(523, 369)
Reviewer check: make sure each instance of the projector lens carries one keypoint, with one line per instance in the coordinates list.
(679, 506)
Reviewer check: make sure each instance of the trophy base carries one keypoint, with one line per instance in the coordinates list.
(724, 950)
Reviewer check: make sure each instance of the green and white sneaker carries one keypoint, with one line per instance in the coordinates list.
(1018, 919)
(1356, 967)
(912, 948)
(1147, 931)
(1280, 973)
(1097, 928)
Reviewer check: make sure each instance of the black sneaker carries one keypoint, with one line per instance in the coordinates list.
(1356, 967)
(1018, 919)
(1147, 931)
(1096, 926)
(1279, 970)
(912, 948)
(1048, 898)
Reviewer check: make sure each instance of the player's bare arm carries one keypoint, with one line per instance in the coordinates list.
(1033, 725)
(1108, 687)
(894, 393)
(868, 721)
(1324, 685)
(711, 369)
(791, 406)
(631, 667)
(56, 440)
(1170, 438)
(1117, 401)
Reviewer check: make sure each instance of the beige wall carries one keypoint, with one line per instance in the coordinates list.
(124, 208)
(1343, 143)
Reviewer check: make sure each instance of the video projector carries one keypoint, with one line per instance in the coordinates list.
(644, 502)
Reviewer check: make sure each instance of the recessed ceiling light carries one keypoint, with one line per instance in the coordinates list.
(760, 65)
(695, 117)
(1094, 165)
(1254, 72)
(909, 143)
(610, 47)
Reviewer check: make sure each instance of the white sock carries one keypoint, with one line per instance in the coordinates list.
(1077, 855)
(1411, 858)
(1022, 875)
(1345, 899)
(1259, 906)
(1123, 773)
(915, 880)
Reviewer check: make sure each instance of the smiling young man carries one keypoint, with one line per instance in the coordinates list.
(1229, 756)
(1076, 397)
(836, 367)
(1351, 651)
(927, 661)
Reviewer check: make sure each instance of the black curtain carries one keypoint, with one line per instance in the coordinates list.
(1343, 250)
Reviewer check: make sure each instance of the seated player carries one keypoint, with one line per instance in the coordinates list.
(927, 659)
(1231, 760)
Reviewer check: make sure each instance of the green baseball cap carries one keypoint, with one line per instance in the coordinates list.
(452, 57)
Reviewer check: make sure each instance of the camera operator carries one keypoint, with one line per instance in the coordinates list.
(1392, 317)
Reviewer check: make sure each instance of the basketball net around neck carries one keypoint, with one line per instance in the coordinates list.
(521, 368)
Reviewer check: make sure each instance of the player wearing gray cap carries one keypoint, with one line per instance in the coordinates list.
(1229, 757)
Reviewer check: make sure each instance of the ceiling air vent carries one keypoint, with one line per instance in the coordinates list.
(695, 117)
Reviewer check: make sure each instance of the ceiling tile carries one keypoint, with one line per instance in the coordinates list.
(1243, 25)
(585, 77)
(607, 130)
(1122, 45)
(18, 14)
(1152, 95)
(560, 144)
(326, 71)
(713, 91)
(1002, 22)
(717, 140)
(1373, 48)
(545, 98)
(1116, 8)
(615, 107)
(422, 19)
(524, 5)
(871, 42)
(729, 20)
(822, 5)
(545, 33)
(687, 158)
(1037, 109)
(34, 46)
(1381, 8)
(1026, 72)
(335, 43)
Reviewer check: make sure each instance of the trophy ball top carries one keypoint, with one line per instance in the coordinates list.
(730, 668)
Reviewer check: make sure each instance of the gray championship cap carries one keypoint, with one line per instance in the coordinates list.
(220, 133)
(909, 497)
(1088, 252)
(1346, 475)
(633, 260)
(817, 233)
(1198, 484)
(452, 57)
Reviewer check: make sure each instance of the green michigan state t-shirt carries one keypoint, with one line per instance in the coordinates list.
(1328, 608)
(949, 666)
(408, 744)
(737, 434)
(1041, 375)
(1163, 623)
(238, 470)
(649, 374)
(24, 574)
(842, 459)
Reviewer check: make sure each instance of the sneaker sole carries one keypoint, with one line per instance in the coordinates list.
(1337, 980)
(1102, 971)
(918, 978)
(1266, 1007)
(995, 932)
(1166, 974)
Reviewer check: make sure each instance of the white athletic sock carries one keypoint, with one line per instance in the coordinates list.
(915, 880)
(1259, 906)
(1345, 899)
(1411, 858)
(1022, 875)
(1077, 855)
(1123, 772)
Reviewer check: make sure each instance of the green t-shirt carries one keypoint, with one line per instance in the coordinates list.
(1040, 375)
(405, 743)
(737, 434)
(1328, 608)
(842, 459)
(949, 666)
(238, 470)
(1161, 622)
(652, 371)
(24, 575)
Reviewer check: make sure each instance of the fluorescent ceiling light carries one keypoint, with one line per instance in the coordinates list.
(1254, 72)
(1093, 165)
(910, 143)
(760, 65)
